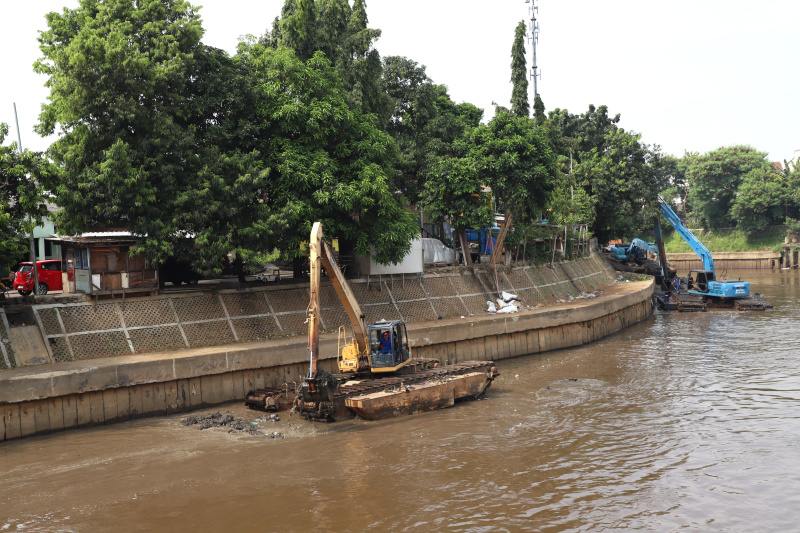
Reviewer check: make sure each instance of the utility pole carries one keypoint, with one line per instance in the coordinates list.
(30, 222)
(534, 38)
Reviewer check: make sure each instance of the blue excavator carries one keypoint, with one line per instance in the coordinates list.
(630, 252)
(704, 283)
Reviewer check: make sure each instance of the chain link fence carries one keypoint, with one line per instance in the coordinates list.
(169, 322)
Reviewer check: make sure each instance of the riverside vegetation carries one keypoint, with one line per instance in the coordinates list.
(168, 137)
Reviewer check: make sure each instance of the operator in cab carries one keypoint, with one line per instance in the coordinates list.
(386, 343)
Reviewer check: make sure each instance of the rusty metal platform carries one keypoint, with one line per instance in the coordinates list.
(459, 375)
(419, 397)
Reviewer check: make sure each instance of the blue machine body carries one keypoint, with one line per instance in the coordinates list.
(619, 252)
(637, 249)
(704, 282)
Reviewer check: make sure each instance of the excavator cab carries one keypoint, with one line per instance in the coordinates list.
(388, 346)
(699, 280)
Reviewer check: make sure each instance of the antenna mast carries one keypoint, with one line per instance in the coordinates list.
(534, 38)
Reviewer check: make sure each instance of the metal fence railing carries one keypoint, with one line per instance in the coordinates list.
(169, 322)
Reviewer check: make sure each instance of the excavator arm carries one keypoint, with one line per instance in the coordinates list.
(321, 256)
(698, 247)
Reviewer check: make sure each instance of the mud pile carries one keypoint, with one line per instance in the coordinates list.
(234, 425)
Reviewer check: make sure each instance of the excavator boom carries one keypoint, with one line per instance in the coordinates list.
(321, 255)
(694, 243)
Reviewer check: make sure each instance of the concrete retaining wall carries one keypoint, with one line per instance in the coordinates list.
(684, 262)
(76, 394)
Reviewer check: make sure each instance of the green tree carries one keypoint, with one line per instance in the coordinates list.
(791, 178)
(620, 175)
(224, 209)
(714, 179)
(675, 178)
(326, 161)
(454, 191)
(569, 203)
(623, 180)
(580, 133)
(424, 121)
(21, 201)
(515, 159)
(519, 73)
(342, 34)
(539, 115)
(119, 75)
(298, 28)
(762, 199)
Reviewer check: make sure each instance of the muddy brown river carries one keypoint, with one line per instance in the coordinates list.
(687, 421)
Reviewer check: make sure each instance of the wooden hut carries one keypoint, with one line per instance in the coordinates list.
(99, 263)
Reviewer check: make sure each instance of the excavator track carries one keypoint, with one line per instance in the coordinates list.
(272, 398)
(752, 304)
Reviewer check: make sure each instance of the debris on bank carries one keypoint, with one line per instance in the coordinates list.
(584, 295)
(510, 303)
(507, 303)
(235, 425)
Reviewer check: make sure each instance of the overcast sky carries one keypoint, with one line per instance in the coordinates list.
(687, 75)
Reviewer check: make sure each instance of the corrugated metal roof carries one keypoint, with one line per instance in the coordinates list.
(104, 234)
(96, 237)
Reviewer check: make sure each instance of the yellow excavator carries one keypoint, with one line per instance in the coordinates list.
(380, 348)
(377, 376)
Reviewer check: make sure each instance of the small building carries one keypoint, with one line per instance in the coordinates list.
(412, 263)
(44, 246)
(100, 264)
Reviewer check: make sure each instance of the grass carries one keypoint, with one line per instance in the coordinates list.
(726, 240)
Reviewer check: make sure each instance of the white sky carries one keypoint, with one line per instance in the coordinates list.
(689, 75)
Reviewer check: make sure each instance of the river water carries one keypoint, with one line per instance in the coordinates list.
(685, 421)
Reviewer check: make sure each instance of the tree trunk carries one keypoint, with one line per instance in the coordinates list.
(238, 268)
(498, 246)
(462, 237)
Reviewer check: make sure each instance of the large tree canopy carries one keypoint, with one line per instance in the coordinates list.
(456, 192)
(515, 159)
(326, 161)
(342, 34)
(714, 180)
(762, 199)
(620, 174)
(119, 74)
(622, 181)
(170, 138)
(424, 122)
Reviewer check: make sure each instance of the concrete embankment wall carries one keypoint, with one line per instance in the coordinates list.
(89, 391)
(561, 326)
(685, 262)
